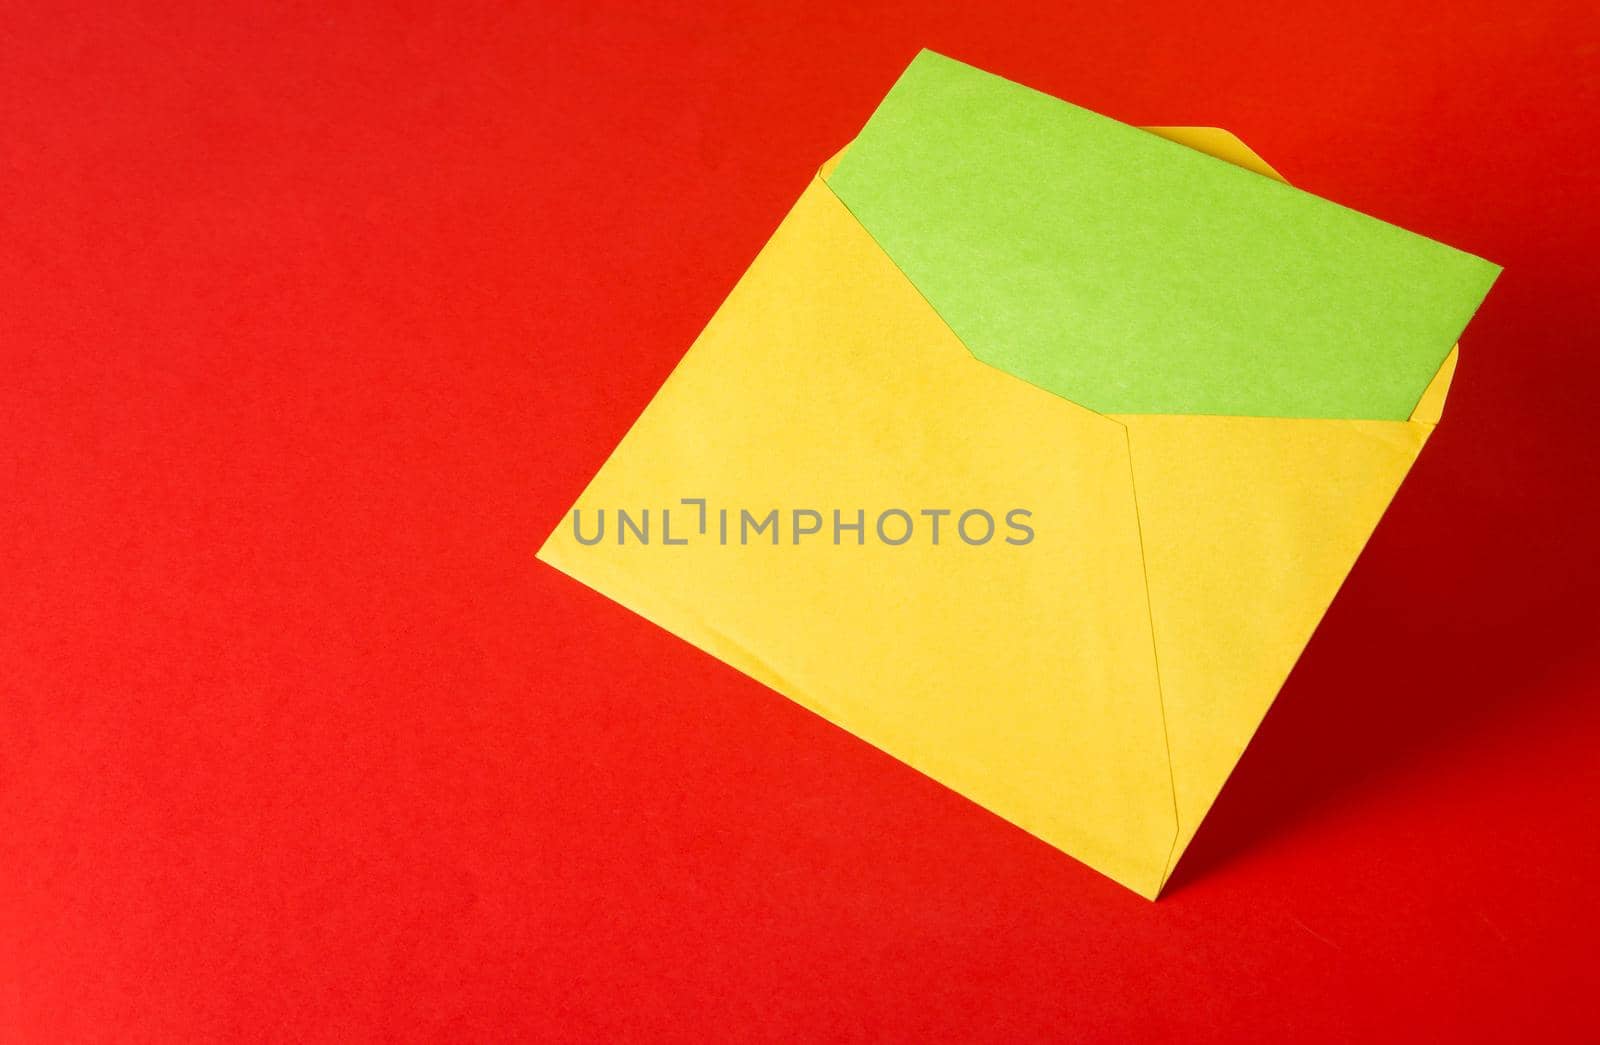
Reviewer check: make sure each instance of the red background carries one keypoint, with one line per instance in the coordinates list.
(315, 321)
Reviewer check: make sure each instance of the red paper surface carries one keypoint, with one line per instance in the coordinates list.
(313, 322)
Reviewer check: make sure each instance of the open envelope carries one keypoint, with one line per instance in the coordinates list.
(1180, 392)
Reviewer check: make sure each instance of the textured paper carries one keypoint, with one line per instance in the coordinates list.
(1133, 275)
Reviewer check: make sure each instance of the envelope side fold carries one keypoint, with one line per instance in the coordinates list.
(1020, 675)
(1430, 408)
(1251, 525)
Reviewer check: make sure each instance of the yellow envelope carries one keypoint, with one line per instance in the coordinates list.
(1092, 670)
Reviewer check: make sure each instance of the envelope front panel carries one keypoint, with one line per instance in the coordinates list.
(1020, 674)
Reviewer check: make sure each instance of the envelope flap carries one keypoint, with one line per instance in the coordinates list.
(1133, 275)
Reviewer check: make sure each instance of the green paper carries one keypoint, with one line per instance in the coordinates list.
(1134, 275)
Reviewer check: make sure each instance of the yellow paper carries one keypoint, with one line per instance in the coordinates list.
(1093, 686)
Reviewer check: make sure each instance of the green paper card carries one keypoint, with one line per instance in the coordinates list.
(1134, 275)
